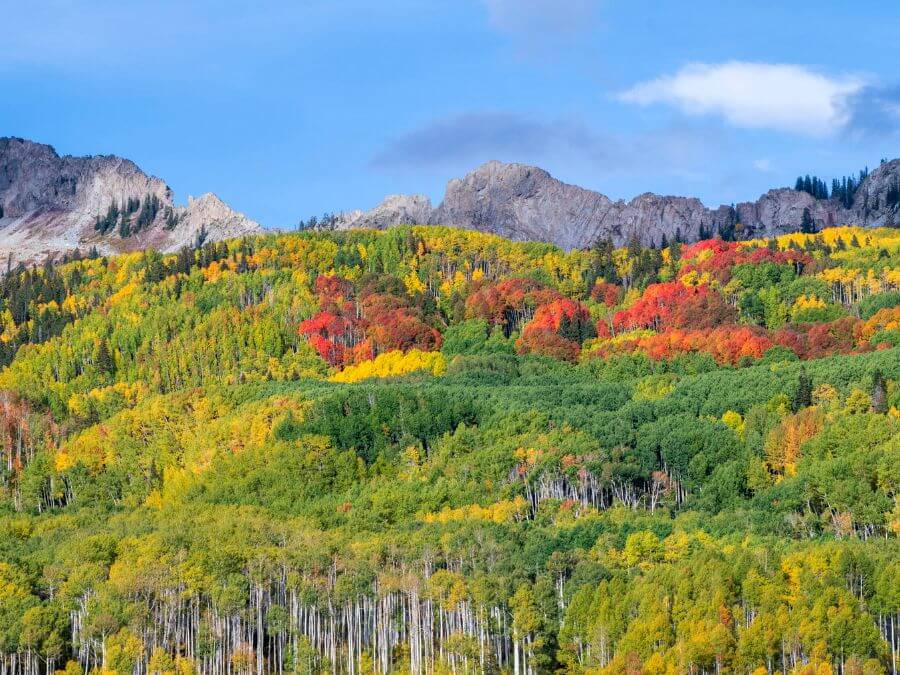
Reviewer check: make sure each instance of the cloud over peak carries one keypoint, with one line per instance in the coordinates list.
(783, 97)
(565, 146)
(476, 136)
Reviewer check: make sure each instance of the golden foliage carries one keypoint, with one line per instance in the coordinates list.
(394, 364)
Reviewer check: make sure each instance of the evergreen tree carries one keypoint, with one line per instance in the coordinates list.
(567, 329)
(587, 331)
(675, 251)
(103, 360)
(184, 261)
(803, 394)
(892, 197)
(807, 225)
(602, 264)
(201, 237)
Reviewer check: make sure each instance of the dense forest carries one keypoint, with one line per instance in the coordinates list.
(434, 450)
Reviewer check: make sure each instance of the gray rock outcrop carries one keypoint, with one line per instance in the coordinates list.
(526, 203)
(394, 210)
(49, 205)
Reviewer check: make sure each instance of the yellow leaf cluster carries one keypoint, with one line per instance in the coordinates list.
(393, 364)
(808, 302)
(654, 387)
(644, 549)
(123, 293)
(735, 421)
(413, 283)
(213, 271)
(694, 279)
(74, 304)
(530, 456)
(504, 511)
(7, 326)
(782, 447)
(840, 275)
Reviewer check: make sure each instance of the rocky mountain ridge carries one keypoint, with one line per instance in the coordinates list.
(50, 204)
(526, 203)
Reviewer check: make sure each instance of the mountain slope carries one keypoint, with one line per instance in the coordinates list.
(432, 450)
(50, 204)
(525, 203)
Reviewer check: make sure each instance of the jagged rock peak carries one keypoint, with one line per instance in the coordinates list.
(49, 204)
(393, 210)
(524, 202)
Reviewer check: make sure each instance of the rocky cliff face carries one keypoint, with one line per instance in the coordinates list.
(49, 205)
(872, 205)
(394, 210)
(527, 203)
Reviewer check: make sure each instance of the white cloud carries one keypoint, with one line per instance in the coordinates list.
(763, 165)
(784, 97)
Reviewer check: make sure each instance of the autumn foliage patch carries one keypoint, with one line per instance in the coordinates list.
(675, 305)
(350, 329)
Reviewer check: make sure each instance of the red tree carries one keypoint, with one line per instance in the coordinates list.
(509, 303)
(716, 258)
(557, 329)
(674, 305)
(607, 293)
(548, 343)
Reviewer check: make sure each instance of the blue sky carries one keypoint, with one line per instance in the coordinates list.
(288, 109)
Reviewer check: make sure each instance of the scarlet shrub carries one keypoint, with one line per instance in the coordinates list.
(726, 344)
(716, 258)
(547, 343)
(674, 305)
(509, 303)
(817, 340)
(350, 329)
(557, 329)
(607, 293)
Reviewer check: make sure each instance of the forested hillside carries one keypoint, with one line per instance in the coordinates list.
(434, 450)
